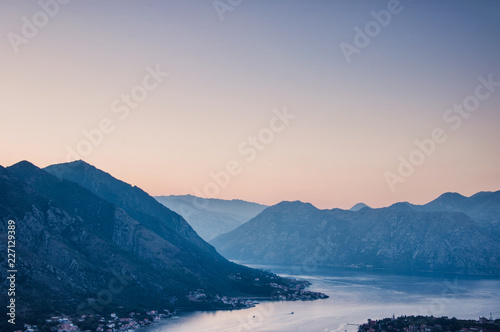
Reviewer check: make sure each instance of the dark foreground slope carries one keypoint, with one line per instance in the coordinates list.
(77, 253)
(397, 237)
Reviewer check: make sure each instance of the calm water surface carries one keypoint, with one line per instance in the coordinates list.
(355, 295)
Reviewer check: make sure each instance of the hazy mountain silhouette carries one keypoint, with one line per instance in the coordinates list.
(210, 217)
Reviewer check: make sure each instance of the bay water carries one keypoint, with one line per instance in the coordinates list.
(355, 296)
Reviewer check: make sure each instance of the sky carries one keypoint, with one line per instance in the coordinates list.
(327, 102)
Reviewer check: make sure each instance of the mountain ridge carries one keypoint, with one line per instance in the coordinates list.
(483, 207)
(72, 243)
(396, 237)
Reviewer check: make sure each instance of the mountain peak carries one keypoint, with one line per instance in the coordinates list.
(78, 164)
(293, 204)
(482, 194)
(401, 206)
(24, 164)
(76, 169)
(450, 196)
(285, 206)
(359, 206)
(26, 170)
(133, 200)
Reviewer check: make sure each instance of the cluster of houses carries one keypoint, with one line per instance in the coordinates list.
(111, 323)
(286, 293)
(296, 293)
(63, 324)
(131, 323)
(198, 296)
(386, 325)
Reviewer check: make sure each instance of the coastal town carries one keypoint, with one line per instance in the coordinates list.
(99, 323)
(198, 300)
(430, 324)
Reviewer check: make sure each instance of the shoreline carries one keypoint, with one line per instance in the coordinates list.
(127, 320)
(185, 311)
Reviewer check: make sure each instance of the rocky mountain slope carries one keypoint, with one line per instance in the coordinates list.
(210, 217)
(397, 237)
(77, 253)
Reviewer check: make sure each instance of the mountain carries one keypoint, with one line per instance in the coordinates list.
(397, 237)
(483, 208)
(210, 217)
(78, 253)
(136, 202)
(359, 206)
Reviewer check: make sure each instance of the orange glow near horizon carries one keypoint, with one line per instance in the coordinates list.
(162, 102)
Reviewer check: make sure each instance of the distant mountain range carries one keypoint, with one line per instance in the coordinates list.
(210, 217)
(88, 243)
(438, 236)
(483, 208)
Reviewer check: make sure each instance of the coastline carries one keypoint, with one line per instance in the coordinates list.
(197, 301)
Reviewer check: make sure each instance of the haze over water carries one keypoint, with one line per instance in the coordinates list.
(355, 296)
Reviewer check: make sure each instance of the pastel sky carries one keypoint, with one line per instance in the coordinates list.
(232, 65)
